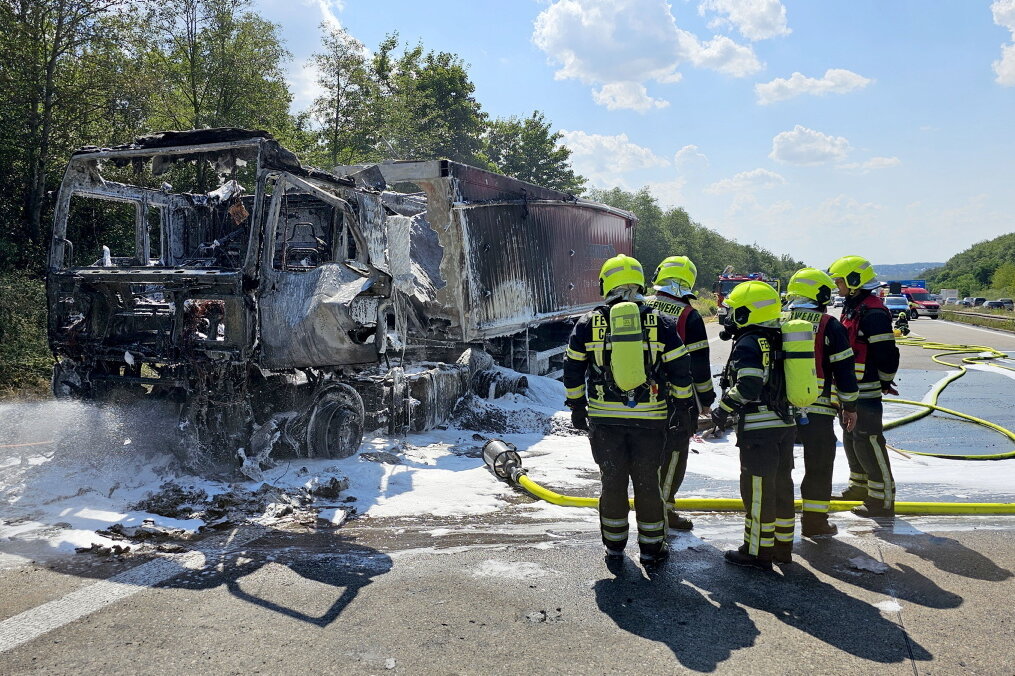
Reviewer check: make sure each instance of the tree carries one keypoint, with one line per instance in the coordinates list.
(528, 150)
(341, 110)
(428, 111)
(218, 66)
(50, 47)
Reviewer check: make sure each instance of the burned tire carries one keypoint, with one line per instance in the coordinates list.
(336, 423)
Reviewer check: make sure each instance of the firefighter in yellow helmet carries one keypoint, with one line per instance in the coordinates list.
(808, 293)
(674, 285)
(876, 359)
(754, 389)
(626, 372)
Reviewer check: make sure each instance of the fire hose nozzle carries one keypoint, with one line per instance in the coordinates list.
(503, 460)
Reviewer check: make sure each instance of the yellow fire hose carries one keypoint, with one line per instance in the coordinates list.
(503, 459)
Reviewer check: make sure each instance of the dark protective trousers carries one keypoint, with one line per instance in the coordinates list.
(630, 455)
(867, 454)
(818, 438)
(678, 444)
(766, 486)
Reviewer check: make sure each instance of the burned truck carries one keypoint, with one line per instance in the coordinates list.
(277, 306)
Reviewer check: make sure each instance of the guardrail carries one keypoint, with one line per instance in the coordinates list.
(991, 321)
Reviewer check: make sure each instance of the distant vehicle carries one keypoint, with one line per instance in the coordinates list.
(951, 301)
(994, 305)
(729, 280)
(979, 300)
(1008, 303)
(967, 301)
(921, 302)
(838, 301)
(897, 304)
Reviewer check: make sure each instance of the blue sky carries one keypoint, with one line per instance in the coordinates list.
(814, 128)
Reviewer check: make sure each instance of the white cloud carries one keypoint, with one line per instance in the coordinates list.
(603, 159)
(1004, 16)
(627, 95)
(669, 193)
(808, 147)
(874, 163)
(755, 19)
(721, 54)
(756, 179)
(689, 159)
(623, 44)
(329, 9)
(835, 81)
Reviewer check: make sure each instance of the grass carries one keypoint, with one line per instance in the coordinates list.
(1005, 318)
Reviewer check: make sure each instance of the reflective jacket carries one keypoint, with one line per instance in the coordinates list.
(691, 329)
(587, 374)
(871, 335)
(834, 361)
(751, 391)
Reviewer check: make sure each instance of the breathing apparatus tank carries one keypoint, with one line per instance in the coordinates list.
(798, 363)
(627, 359)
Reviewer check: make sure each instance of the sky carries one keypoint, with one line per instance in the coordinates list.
(817, 129)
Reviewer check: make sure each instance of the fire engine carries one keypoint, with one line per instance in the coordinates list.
(729, 279)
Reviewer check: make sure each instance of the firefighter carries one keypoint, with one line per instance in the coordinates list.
(808, 292)
(626, 372)
(674, 283)
(754, 389)
(869, 325)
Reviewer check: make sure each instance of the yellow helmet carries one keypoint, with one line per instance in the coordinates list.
(753, 303)
(854, 270)
(675, 275)
(620, 270)
(811, 283)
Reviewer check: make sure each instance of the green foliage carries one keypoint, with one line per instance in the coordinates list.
(529, 150)
(669, 233)
(983, 268)
(25, 360)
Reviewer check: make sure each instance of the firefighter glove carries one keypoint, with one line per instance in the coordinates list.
(580, 417)
(720, 417)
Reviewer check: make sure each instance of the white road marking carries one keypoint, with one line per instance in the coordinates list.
(42, 619)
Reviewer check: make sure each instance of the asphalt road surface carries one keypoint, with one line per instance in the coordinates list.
(920, 596)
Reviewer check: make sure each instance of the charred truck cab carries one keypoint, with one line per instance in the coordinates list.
(284, 309)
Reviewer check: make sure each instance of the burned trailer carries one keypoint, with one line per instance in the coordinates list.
(312, 306)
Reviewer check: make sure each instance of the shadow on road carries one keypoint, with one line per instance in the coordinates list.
(337, 562)
(697, 609)
(831, 557)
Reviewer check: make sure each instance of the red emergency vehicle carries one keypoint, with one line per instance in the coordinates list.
(728, 280)
(920, 300)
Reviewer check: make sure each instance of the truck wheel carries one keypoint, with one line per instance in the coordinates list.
(336, 423)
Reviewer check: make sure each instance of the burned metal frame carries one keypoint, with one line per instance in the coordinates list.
(397, 303)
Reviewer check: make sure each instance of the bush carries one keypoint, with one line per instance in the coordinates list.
(705, 304)
(25, 360)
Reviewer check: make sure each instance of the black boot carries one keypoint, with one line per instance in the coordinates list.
(654, 558)
(677, 522)
(814, 524)
(782, 553)
(740, 557)
(874, 510)
(852, 494)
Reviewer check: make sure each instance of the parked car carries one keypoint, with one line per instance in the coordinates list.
(967, 301)
(951, 301)
(897, 304)
(838, 301)
(1009, 304)
(978, 301)
(993, 305)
